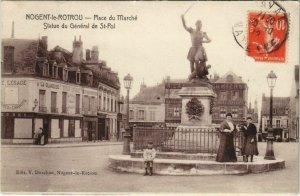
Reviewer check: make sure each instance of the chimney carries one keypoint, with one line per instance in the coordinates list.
(77, 51)
(8, 60)
(95, 54)
(88, 54)
(216, 76)
(143, 86)
(44, 42)
(168, 79)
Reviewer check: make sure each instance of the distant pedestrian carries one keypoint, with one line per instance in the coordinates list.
(250, 144)
(149, 155)
(37, 135)
(44, 137)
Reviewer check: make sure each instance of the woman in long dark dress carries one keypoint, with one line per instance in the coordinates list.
(250, 144)
(226, 151)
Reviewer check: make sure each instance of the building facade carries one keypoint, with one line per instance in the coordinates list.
(231, 91)
(232, 96)
(280, 118)
(147, 108)
(71, 98)
(294, 107)
(173, 102)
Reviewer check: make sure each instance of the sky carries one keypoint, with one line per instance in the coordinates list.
(156, 44)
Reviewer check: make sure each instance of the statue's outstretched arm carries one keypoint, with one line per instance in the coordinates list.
(184, 25)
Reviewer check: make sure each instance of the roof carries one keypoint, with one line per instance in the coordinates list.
(61, 49)
(25, 51)
(281, 103)
(154, 94)
(230, 77)
(178, 81)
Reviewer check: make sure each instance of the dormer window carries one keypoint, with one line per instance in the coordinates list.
(45, 69)
(54, 71)
(78, 77)
(65, 73)
(90, 79)
(229, 78)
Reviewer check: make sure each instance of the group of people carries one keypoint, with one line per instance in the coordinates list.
(226, 151)
(40, 136)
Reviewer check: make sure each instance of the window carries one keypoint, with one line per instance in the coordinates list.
(274, 110)
(176, 112)
(229, 78)
(170, 112)
(277, 123)
(141, 115)
(234, 112)
(223, 95)
(268, 123)
(55, 70)
(65, 74)
(77, 110)
(42, 97)
(235, 95)
(93, 104)
(222, 112)
(286, 111)
(86, 103)
(107, 104)
(78, 77)
(104, 103)
(50, 70)
(152, 115)
(131, 115)
(45, 69)
(54, 102)
(99, 102)
(64, 102)
(72, 128)
(115, 106)
(112, 105)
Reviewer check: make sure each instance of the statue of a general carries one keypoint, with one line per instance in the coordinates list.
(197, 55)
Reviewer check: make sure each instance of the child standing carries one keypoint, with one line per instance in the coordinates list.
(149, 155)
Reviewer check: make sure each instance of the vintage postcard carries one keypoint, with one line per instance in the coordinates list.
(158, 97)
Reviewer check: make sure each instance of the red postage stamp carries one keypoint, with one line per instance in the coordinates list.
(267, 35)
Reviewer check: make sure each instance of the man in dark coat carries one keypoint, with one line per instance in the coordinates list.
(250, 142)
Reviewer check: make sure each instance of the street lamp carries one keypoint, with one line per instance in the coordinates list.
(126, 145)
(271, 78)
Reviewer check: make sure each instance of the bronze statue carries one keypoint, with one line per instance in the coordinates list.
(197, 55)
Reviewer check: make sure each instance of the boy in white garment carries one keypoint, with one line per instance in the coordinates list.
(149, 155)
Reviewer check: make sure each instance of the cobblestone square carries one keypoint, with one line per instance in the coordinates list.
(85, 169)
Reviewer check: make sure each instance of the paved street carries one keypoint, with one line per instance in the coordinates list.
(93, 160)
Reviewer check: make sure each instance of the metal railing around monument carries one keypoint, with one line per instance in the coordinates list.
(188, 140)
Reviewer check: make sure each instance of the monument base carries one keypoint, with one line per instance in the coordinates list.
(177, 166)
(196, 139)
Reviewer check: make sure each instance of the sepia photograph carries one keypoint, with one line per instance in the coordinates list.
(149, 97)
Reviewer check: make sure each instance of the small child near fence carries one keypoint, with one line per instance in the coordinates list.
(149, 155)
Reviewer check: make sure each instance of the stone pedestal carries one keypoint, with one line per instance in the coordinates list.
(204, 93)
